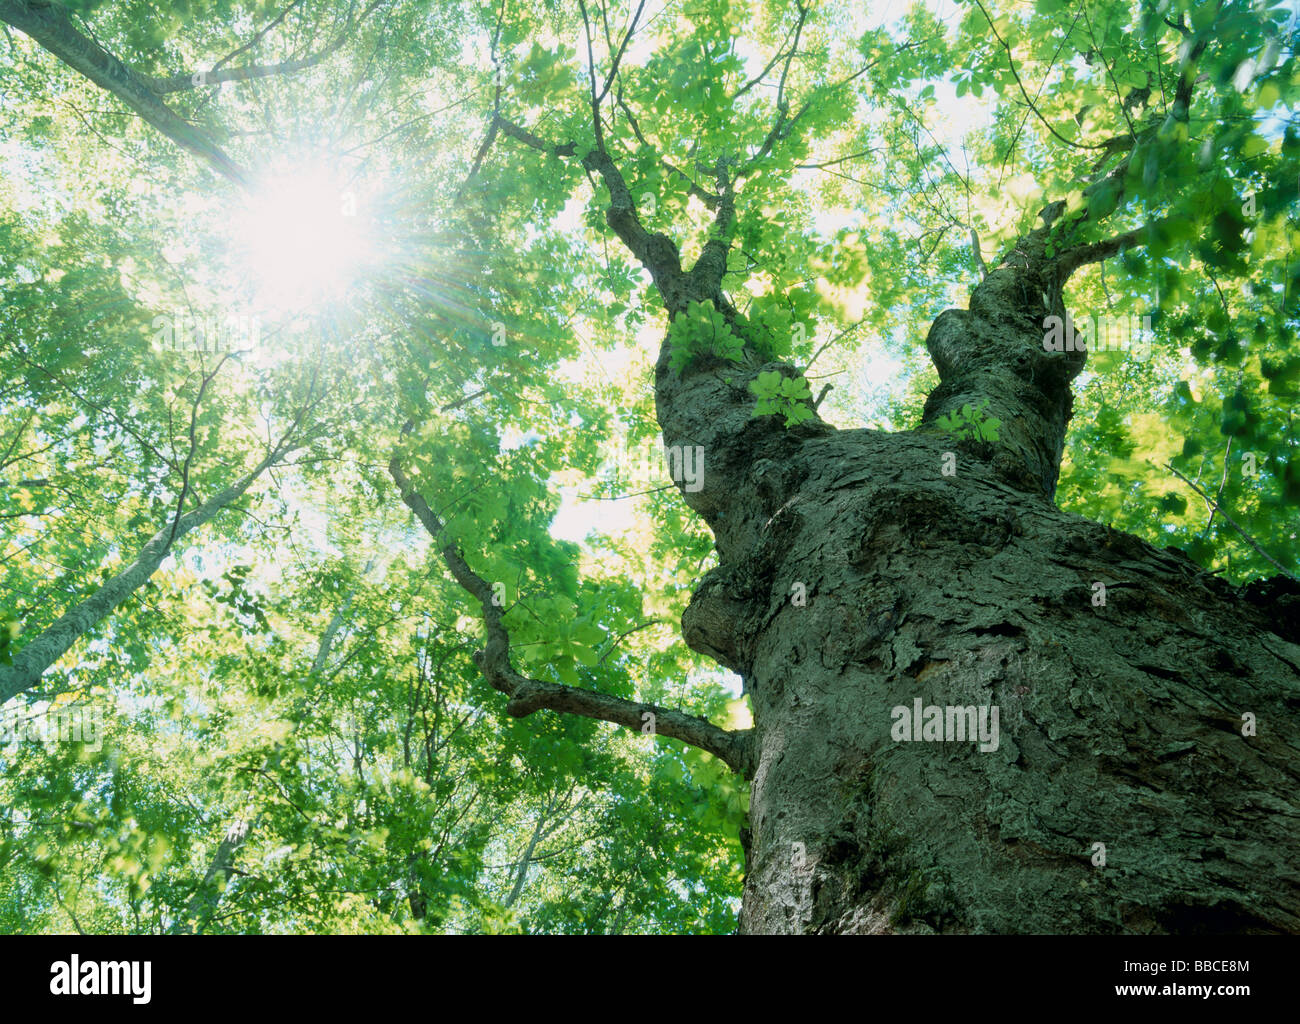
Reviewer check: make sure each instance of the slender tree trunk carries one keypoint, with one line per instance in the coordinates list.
(47, 647)
(203, 903)
(206, 898)
(861, 572)
(551, 817)
(525, 859)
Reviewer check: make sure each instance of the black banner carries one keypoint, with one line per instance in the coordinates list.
(147, 974)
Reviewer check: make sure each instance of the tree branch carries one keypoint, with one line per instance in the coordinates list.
(258, 36)
(656, 252)
(711, 266)
(1081, 255)
(1073, 258)
(618, 56)
(1233, 523)
(530, 695)
(48, 24)
(1023, 91)
(43, 650)
(707, 198)
(52, 643)
(183, 80)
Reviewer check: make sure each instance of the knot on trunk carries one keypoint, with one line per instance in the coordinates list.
(714, 622)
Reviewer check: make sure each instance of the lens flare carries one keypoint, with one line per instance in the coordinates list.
(305, 240)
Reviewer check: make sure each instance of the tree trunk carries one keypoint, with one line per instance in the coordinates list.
(52, 643)
(857, 577)
(47, 22)
(1119, 725)
(206, 898)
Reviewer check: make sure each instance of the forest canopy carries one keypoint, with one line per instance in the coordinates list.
(333, 505)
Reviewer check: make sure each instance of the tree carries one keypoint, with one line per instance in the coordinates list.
(973, 709)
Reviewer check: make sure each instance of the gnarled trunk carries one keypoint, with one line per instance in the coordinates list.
(862, 572)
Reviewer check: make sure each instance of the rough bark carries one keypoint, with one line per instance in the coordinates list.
(1120, 724)
(993, 352)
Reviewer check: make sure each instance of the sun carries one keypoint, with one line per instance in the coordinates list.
(304, 240)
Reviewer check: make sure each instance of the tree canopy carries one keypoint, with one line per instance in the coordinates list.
(328, 335)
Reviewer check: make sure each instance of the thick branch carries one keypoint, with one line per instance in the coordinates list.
(711, 267)
(530, 695)
(530, 139)
(184, 80)
(48, 24)
(1080, 255)
(656, 252)
(1072, 259)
